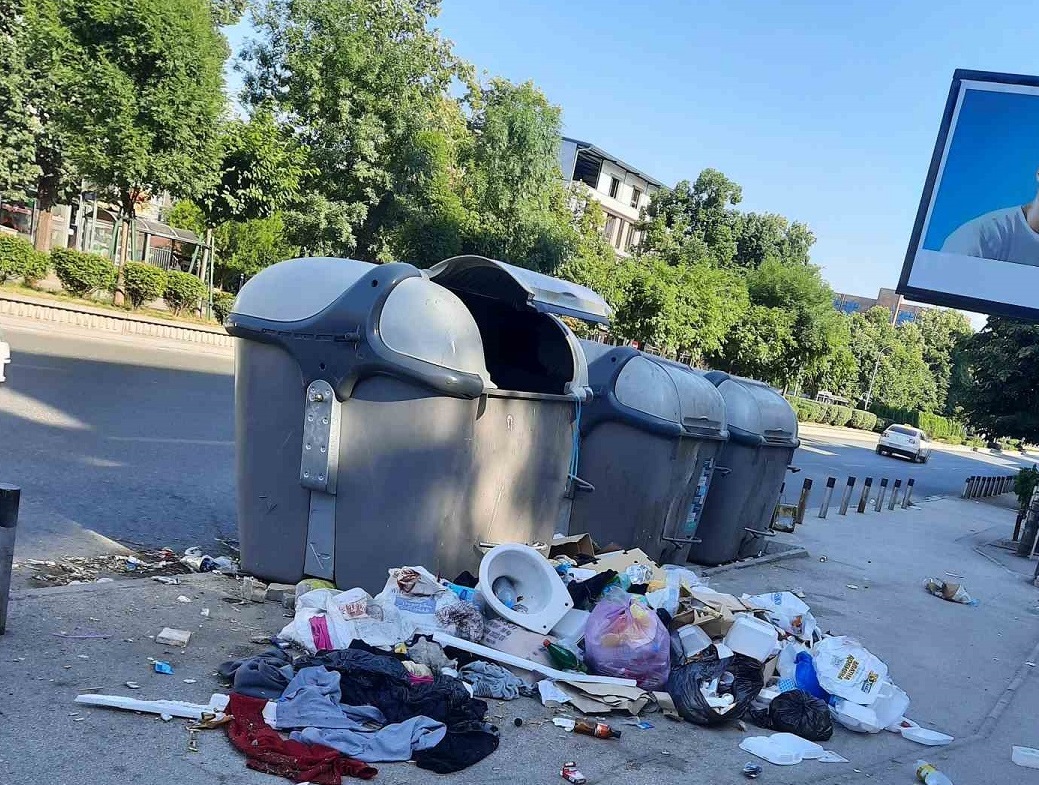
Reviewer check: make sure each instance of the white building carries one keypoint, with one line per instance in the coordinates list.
(620, 188)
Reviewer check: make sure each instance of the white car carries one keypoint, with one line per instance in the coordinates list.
(907, 441)
(5, 357)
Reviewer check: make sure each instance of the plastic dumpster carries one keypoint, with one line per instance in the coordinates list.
(386, 416)
(742, 500)
(649, 442)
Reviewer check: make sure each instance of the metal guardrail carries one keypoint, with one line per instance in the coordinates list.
(901, 497)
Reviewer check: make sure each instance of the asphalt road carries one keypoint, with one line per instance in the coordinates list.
(134, 440)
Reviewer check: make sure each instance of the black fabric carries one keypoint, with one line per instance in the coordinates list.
(368, 679)
(458, 750)
(466, 579)
(262, 676)
(796, 712)
(585, 593)
(685, 681)
(638, 588)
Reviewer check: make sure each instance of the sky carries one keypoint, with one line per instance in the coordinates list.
(823, 112)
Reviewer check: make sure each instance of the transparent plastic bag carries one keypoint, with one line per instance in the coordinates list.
(624, 638)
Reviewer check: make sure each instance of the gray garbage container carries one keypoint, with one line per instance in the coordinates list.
(650, 437)
(386, 416)
(742, 499)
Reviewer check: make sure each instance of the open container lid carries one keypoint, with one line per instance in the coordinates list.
(755, 411)
(523, 288)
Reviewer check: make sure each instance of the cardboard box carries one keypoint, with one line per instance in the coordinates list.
(572, 547)
(621, 560)
(513, 639)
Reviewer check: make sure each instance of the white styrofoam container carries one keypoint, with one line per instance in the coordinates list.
(753, 637)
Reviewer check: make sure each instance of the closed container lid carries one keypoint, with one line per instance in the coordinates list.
(298, 289)
(756, 412)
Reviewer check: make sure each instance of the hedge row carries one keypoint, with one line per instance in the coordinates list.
(84, 274)
(832, 414)
(936, 426)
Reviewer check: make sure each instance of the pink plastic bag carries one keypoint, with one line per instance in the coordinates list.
(624, 638)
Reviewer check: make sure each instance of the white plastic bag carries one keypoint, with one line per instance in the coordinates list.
(787, 663)
(846, 669)
(675, 578)
(349, 615)
(415, 594)
(788, 612)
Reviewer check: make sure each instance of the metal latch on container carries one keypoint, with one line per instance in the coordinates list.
(319, 464)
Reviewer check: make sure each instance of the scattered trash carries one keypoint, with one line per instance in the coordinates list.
(172, 637)
(586, 728)
(796, 712)
(699, 697)
(931, 738)
(168, 580)
(1025, 756)
(99, 569)
(166, 717)
(626, 638)
(929, 775)
(752, 771)
(83, 656)
(641, 725)
(253, 590)
(953, 592)
(788, 612)
(822, 558)
(191, 711)
(192, 740)
(518, 722)
(204, 613)
(133, 685)
(846, 669)
(183, 598)
(852, 586)
(163, 667)
(570, 773)
(190, 681)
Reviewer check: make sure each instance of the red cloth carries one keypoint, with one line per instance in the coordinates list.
(267, 751)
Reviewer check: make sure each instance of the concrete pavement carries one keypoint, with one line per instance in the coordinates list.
(963, 667)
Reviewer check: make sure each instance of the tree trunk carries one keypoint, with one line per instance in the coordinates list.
(46, 195)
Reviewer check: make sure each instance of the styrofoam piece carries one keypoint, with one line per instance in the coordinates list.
(808, 750)
(694, 640)
(891, 704)
(765, 748)
(861, 719)
(571, 626)
(518, 662)
(1025, 756)
(931, 738)
(188, 711)
(901, 725)
(752, 637)
(545, 599)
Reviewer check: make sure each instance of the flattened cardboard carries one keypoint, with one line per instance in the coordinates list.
(621, 560)
(513, 639)
(572, 547)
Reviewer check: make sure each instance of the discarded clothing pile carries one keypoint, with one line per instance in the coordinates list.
(347, 709)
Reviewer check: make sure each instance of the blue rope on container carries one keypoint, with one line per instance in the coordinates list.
(575, 450)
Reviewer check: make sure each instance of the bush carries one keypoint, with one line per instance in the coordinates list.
(36, 266)
(844, 415)
(15, 255)
(1024, 484)
(222, 304)
(82, 273)
(183, 291)
(143, 283)
(829, 413)
(942, 427)
(863, 420)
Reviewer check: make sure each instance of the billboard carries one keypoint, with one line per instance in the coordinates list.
(975, 243)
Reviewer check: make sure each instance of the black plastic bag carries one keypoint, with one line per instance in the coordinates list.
(796, 712)
(685, 681)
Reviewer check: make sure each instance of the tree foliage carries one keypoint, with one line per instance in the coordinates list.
(18, 168)
(1003, 398)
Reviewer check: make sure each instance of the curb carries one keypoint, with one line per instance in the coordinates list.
(792, 552)
(95, 319)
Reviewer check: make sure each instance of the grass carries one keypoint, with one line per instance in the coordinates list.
(104, 303)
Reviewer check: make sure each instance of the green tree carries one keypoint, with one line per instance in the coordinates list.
(944, 333)
(248, 247)
(758, 346)
(767, 236)
(151, 97)
(18, 168)
(692, 223)
(891, 362)
(514, 193)
(1003, 397)
(356, 81)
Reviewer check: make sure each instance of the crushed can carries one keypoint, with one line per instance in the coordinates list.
(570, 773)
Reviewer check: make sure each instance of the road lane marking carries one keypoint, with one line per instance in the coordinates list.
(817, 451)
(163, 440)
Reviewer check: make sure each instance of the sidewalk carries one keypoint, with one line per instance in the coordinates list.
(963, 667)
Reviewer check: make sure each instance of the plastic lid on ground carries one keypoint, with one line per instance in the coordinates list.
(522, 287)
(297, 289)
(756, 411)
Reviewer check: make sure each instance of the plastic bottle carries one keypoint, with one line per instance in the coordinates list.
(929, 775)
(806, 678)
(505, 590)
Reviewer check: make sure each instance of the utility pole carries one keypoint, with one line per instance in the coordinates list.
(872, 380)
